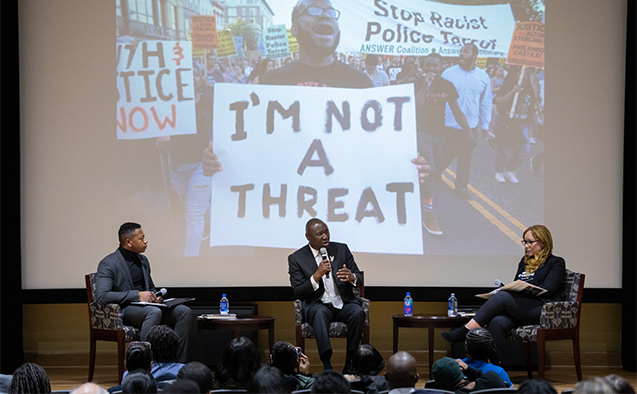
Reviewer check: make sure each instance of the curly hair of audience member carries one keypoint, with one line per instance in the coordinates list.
(30, 378)
(164, 342)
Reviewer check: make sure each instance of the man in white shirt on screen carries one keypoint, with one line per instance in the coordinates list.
(475, 100)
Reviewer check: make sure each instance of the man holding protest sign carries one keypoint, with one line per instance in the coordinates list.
(315, 26)
(327, 297)
(474, 89)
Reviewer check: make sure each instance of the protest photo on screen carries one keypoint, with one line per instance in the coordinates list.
(438, 151)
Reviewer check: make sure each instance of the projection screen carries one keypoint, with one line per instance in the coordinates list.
(121, 100)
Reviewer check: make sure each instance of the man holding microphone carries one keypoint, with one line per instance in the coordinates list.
(327, 297)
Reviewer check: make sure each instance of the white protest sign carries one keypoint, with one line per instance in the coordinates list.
(155, 88)
(417, 28)
(291, 153)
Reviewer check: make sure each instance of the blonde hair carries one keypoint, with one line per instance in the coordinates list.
(543, 235)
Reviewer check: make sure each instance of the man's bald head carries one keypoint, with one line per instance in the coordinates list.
(402, 370)
(89, 388)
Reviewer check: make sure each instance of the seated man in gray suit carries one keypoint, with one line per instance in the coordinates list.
(326, 297)
(124, 277)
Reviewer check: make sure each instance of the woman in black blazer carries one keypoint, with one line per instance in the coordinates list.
(507, 310)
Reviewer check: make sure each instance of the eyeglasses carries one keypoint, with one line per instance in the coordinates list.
(524, 242)
(318, 11)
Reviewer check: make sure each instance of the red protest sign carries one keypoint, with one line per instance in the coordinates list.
(527, 45)
(204, 31)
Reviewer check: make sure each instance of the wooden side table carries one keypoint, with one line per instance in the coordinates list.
(236, 325)
(430, 322)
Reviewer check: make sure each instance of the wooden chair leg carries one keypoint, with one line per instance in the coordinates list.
(540, 354)
(527, 358)
(365, 338)
(121, 354)
(300, 341)
(578, 365)
(91, 362)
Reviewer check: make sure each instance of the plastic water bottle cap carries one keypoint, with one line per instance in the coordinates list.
(453, 294)
(408, 293)
(223, 295)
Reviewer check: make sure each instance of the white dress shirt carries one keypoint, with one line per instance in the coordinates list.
(331, 294)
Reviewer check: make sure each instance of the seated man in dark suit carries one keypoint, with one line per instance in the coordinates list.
(327, 297)
(124, 277)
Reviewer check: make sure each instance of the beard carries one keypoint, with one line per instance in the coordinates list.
(306, 41)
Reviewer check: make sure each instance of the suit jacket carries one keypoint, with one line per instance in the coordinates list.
(115, 283)
(550, 276)
(302, 265)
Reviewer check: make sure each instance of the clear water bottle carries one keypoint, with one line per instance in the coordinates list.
(224, 305)
(452, 306)
(408, 306)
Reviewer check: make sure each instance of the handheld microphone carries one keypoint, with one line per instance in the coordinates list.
(325, 256)
(161, 293)
(498, 283)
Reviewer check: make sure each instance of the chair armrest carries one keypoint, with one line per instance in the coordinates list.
(365, 306)
(559, 314)
(298, 312)
(106, 317)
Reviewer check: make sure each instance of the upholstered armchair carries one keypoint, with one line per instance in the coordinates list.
(558, 320)
(337, 329)
(106, 324)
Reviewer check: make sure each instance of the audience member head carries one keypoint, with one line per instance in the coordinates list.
(89, 388)
(198, 373)
(139, 356)
(164, 342)
(480, 346)
(239, 362)
(593, 386)
(180, 386)
(284, 357)
(446, 373)
(139, 382)
(536, 386)
(269, 379)
(330, 382)
(619, 384)
(30, 379)
(367, 361)
(402, 370)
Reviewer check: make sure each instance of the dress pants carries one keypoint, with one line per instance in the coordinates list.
(146, 317)
(320, 315)
(505, 311)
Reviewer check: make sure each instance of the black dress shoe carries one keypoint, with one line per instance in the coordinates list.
(456, 335)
